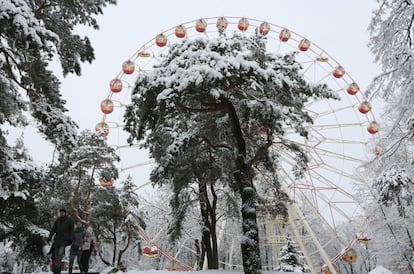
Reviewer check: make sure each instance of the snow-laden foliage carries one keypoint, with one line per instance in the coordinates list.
(159, 220)
(11, 181)
(392, 42)
(389, 208)
(28, 212)
(390, 212)
(78, 172)
(89, 160)
(393, 168)
(21, 214)
(395, 186)
(291, 259)
(200, 113)
(391, 234)
(32, 35)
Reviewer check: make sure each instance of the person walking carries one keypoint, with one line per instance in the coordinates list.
(62, 234)
(76, 247)
(88, 247)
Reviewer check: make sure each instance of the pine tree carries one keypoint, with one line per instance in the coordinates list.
(33, 34)
(291, 258)
(21, 215)
(213, 96)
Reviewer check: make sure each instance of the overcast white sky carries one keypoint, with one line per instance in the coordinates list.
(339, 27)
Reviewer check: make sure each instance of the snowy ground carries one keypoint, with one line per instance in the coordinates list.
(198, 272)
(106, 271)
(378, 270)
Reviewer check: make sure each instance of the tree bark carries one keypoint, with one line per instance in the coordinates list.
(114, 244)
(250, 240)
(213, 233)
(199, 255)
(207, 237)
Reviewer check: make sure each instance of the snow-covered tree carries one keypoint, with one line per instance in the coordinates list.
(22, 215)
(198, 179)
(215, 95)
(32, 35)
(391, 244)
(129, 201)
(80, 169)
(389, 198)
(392, 42)
(395, 186)
(159, 220)
(291, 258)
(389, 209)
(392, 171)
(115, 216)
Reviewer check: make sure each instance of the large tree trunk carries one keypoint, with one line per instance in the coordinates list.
(114, 244)
(209, 239)
(213, 233)
(250, 239)
(200, 255)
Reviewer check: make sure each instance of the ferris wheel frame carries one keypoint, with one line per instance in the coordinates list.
(325, 177)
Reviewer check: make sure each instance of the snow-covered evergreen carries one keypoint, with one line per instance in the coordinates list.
(212, 97)
(291, 258)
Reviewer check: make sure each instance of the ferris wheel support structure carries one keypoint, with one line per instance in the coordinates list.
(295, 214)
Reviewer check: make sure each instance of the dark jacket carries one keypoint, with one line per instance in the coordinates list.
(63, 231)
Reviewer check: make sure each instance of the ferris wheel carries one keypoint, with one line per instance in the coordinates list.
(338, 141)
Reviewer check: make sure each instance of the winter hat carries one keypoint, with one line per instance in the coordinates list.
(62, 210)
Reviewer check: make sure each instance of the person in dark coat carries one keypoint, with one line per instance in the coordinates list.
(62, 233)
